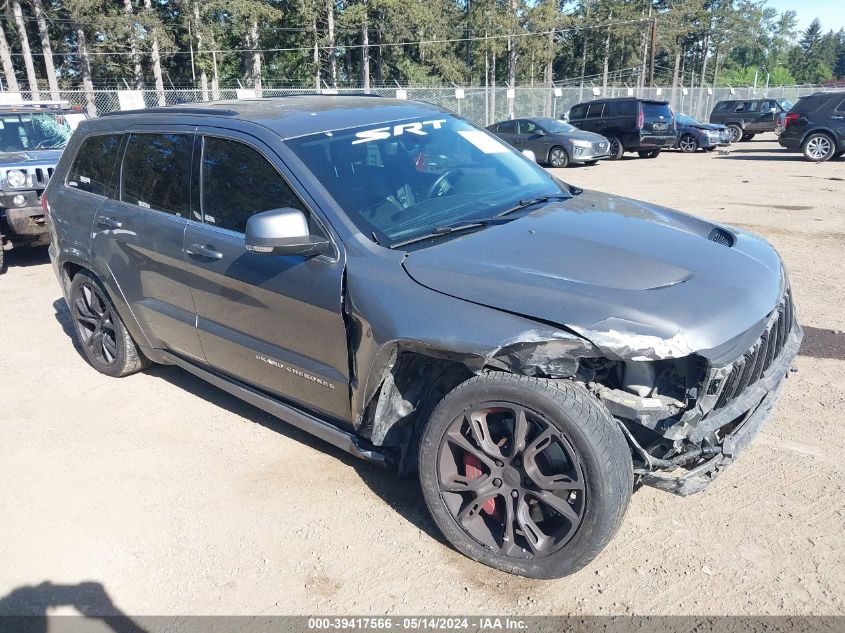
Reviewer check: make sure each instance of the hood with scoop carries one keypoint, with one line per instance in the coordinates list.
(639, 281)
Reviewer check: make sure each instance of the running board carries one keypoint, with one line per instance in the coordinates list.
(293, 416)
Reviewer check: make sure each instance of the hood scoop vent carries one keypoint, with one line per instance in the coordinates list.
(720, 236)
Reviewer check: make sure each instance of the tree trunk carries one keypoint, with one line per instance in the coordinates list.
(606, 58)
(156, 61)
(203, 73)
(137, 70)
(378, 60)
(253, 58)
(87, 82)
(46, 49)
(6, 58)
(701, 96)
(646, 37)
(365, 50)
(678, 55)
(316, 57)
(32, 79)
(493, 116)
(215, 78)
(548, 78)
(331, 36)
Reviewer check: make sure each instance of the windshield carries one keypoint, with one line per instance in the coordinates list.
(23, 131)
(556, 127)
(402, 180)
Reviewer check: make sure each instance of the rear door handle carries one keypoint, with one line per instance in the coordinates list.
(108, 223)
(204, 251)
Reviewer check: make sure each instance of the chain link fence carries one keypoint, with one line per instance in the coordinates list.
(481, 105)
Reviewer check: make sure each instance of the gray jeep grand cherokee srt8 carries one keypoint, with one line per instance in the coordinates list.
(406, 286)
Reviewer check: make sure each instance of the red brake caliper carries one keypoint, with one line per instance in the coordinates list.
(472, 470)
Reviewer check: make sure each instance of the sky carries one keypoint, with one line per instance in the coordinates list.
(831, 13)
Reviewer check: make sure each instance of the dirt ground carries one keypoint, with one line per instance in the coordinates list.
(158, 494)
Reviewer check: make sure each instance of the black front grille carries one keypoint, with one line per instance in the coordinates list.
(41, 176)
(755, 362)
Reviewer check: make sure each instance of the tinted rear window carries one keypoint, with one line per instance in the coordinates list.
(656, 110)
(594, 111)
(811, 104)
(157, 172)
(93, 168)
(722, 106)
(621, 108)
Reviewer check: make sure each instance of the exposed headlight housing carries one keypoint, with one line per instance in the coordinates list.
(15, 178)
(580, 143)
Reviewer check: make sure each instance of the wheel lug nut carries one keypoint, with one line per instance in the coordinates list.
(497, 482)
(514, 494)
(499, 464)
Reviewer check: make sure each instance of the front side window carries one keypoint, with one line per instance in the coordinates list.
(578, 112)
(93, 167)
(237, 182)
(156, 172)
(527, 127)
(33, 131)
(400, 180)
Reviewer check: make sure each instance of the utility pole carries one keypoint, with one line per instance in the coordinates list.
(653, 51)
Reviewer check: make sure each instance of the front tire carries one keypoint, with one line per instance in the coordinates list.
(526, 475)
(558, 157)
(736, 132)
(818, 147)
(688, 144)
(616, 148)
(106, 344)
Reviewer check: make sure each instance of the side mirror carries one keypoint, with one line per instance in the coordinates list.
(283, 232)
(529, 155)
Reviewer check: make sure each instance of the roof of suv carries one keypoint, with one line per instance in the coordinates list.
(290, 116)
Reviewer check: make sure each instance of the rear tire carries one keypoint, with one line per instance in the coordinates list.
(818, 147)
(736, 132)
(616, 148)
(479, 474)
(106, 344)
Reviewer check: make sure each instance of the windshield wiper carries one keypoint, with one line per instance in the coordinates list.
(530, 202)
(445, 229)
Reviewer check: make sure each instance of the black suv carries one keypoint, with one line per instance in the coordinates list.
(815, 126)
(411, 289)
(746, 118)
(630, 125)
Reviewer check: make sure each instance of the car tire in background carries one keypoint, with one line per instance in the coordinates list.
(651, 153)
(590, 163)
(818, 147)
(106, 344)
(616, 148)
(748, 137)
(688, 144)
(480, 461)
(736, 132)
(558, 157)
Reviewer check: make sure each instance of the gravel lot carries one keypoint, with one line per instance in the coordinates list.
(167, 496)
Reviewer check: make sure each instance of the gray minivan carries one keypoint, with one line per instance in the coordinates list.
(409, 288)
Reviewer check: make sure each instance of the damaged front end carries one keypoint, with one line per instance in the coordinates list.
(687, 418)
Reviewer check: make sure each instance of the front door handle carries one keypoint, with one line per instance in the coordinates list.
(108, 223)
(204, 251)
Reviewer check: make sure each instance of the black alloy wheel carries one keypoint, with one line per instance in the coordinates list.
(106, 344)
(616, 148)
(95, 324)
(511, 480)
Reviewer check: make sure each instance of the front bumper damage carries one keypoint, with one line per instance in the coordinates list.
(745, 416)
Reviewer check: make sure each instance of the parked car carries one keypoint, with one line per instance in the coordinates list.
(745, 118)
(406, 286)
(694, 135)
(32, 136)
(630, 125)
(552, 141)
(815, 126)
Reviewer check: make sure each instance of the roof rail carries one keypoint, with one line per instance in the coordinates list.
(176, 110)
